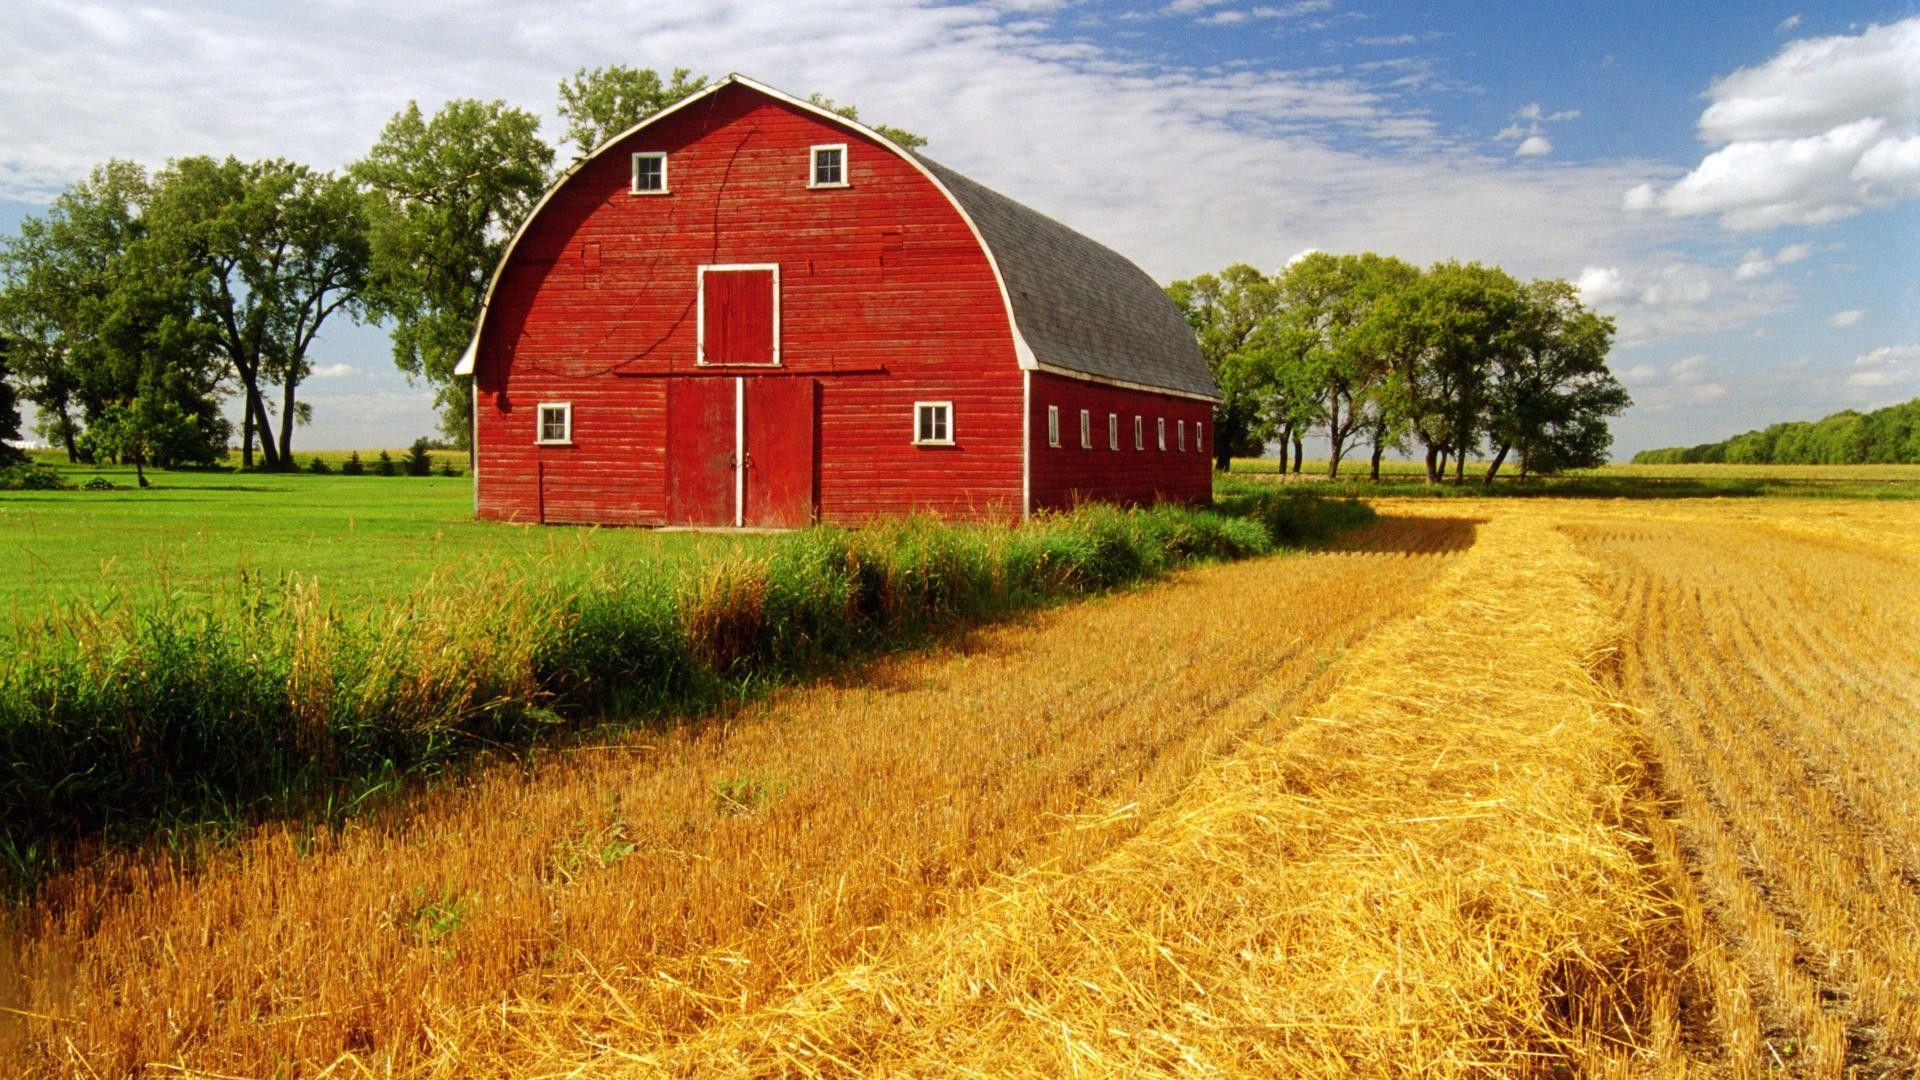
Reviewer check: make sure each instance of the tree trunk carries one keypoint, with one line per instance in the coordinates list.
(1286, 443)
(1460, 466)
(1299, 453)
(1433, 468)
(246, 433)
(286, 420)
(66, 435)
(269, 453)
(1499, 457)
(1373, 473)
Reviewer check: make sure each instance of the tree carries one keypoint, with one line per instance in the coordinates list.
(602, 102)
(9, 409)
(446, 193)
(1337, 362)
(1226, 311)
(419, 460)
(1550, 393)
(899, 136)
(150, 429)
(267, 251)
(98, 319)
(1444, 333)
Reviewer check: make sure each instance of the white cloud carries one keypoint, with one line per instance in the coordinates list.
(1600, 285)
(1529, 129)
(1791, 22)
(1846, 318)
(1888, 365)
(1533, 146)
(1758, 264)
(1828, 127)
(333, 371)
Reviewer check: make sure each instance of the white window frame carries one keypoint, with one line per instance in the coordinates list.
(946, 409)
(1053, 426)
(700, 313)
(540, 423)
(813, 165)
(1113, 431)
(1086, 429)
(1163, 432)
(1180, 429)
(633, 180)
(1139, 432)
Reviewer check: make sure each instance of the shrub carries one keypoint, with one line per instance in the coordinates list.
(383, 466)
(419, 459)
(98, 483)
(353, 465)
(447, 469)
(29, 477)
(318, 466)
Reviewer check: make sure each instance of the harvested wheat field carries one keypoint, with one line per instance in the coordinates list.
(1508, 788)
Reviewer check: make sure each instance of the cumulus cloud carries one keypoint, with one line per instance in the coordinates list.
(1846, 318)
(1827, 128)
(1758, 264)
(1668, 295)
(333, 371)
(1528, 129)
(1886, 366)
(1787, 24)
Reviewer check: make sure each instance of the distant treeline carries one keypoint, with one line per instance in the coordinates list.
(1889, 436)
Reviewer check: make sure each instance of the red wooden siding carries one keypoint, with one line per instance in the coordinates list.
(1067, 474)
(737, 306)
(885, 299)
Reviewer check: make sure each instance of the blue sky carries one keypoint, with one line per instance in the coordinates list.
(1739, 185)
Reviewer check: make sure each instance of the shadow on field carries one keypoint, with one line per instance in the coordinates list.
(1601, 487)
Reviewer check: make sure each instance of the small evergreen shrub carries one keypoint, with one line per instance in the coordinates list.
(419, 460)
(353, 465)
(29, 476)
(318, 466)
(383, 466)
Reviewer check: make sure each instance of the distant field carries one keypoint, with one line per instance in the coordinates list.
(1620, 480)
(360, 536)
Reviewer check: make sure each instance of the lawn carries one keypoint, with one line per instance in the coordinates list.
(361, 536)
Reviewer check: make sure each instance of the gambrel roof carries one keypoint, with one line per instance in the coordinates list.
(1076, 307)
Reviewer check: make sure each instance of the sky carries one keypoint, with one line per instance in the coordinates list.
(1737, 184)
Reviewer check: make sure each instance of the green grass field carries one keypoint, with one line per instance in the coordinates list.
(361, 536)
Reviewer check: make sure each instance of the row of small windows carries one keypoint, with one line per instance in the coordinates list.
(1113, 431)
(826, 168)
(932, 426)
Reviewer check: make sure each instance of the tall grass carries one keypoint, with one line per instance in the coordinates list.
(120, 719)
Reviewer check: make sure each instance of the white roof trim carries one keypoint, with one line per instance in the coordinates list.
(1021, 350)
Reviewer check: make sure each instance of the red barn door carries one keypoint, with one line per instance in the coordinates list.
(700, 451)
(780, 427)
(740, 315)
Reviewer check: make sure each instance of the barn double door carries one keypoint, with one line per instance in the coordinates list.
(740, 451)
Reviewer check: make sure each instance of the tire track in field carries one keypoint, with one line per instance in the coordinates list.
(674, 878)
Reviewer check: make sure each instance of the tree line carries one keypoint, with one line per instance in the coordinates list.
(1373, 353)
(141, 300)
(1887, 436)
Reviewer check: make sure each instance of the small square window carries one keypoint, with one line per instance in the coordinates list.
(1163, 432)
(1180, 429)
(556, 424)
(1113, 431)
(828, 166)
(1053, 425)
(933, 423)
(650, 173)
(1086, 430)
(1139, 433)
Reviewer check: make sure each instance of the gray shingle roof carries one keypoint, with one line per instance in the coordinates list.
(1080, 305)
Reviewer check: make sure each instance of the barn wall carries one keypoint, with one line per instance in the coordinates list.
(1067, 474)
(886, 299)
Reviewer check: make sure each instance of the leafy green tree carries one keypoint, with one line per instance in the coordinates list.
(152, 428)
(446, 192)
(899, 136)
(1226, 311)
(602, 102)
(1337, 361)
(98, 319)
(1445, 333)
(267, 251)
(1550, 393)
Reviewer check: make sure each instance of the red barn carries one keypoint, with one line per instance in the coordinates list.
(748, 310)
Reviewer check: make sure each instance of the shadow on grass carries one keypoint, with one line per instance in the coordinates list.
(1593, 487)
